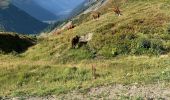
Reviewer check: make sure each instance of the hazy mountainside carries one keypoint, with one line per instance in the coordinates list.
(82, 9)
(13, 19)
(50, 10)
(73, 14)
(87, 6)
(35, 10)
(94, 5)
(133, 49)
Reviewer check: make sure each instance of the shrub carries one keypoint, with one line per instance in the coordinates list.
(147, 46)
(109, 45)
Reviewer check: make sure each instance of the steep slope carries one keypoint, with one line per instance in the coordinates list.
(77, 14)
(94, 5)
(79, 9)
(132, 33)
(130, 49)
(15, 20)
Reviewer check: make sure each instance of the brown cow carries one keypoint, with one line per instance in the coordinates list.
(70, 26)
(117, 11)
(57, 32)
(95, 14)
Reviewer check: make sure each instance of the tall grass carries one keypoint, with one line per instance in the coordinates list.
(48, 79)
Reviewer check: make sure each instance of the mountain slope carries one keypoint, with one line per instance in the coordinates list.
(50, 10)
(15, 20)
(130, 49)
(79, 9)
(132, 33)
(35, 10)
(84, 9)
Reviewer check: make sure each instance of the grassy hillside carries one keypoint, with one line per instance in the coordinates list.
(134, 33)
(132, 48)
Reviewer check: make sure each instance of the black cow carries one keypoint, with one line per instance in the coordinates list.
(75, 41)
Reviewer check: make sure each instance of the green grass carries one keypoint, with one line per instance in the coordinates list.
(132, 48)
(31, 78)
(134, 33)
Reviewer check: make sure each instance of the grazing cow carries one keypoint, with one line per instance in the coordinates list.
(117, 11)
(75, 41)
(81, 40)
(57, 32)
(95, 15)
(68, 26)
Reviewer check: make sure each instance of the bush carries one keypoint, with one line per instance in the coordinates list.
(110, 45)
(147, 46)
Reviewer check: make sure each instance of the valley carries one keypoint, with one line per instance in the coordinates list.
(48, 10)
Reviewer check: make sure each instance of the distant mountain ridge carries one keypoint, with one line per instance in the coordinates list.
(35, 10)
(13, 19)
(80, 8)
(50, 10)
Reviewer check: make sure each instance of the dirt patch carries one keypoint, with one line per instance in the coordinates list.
(122, 92)
(114, 92)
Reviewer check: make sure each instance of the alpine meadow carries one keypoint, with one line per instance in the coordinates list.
(95, 50)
